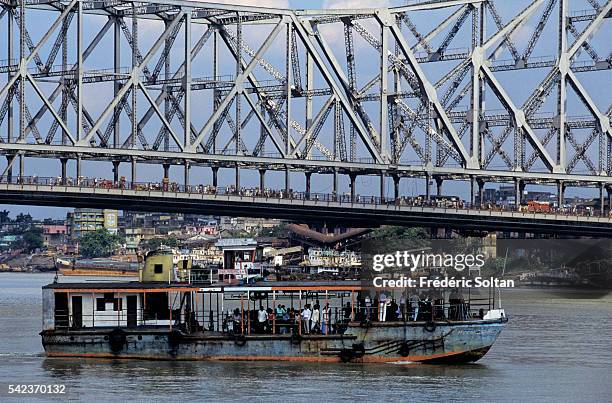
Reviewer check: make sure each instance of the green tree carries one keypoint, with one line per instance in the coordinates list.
(98, 243)
(32, 239)
(156, 243)
(172, 242)
(23, 218)
(153, 243)
(392, 232)
(277, 231)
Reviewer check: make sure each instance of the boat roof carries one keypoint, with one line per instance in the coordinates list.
(260, 286)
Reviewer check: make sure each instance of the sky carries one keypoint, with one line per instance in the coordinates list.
(599, 87)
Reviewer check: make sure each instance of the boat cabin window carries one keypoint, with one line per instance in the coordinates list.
(158, 268)
(156, 306)
(109, 298)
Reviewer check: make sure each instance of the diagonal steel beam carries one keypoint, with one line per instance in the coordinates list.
(430, 93)
(134, 77)
(590, 30)
(355, 104)
(301, 30)
(278, 142)
(43, 97)
(237, 88)
(160, 115)
(519, 118)
(603, 121)
(94, 43)
(526, 13)
(328, 104)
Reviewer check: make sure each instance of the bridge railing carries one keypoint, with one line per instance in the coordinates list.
(435, 202)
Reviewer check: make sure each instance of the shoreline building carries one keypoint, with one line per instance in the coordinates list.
(83, 220)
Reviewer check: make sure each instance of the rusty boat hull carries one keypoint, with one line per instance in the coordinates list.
(384, 342)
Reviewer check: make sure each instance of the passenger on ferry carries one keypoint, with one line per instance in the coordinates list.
(347, 312)
(315, 319)
(382, 307)
(368, 307)
(326, 323)
(392, 313)
(414, 306)
(402, 306)
(438, 305)
(306, 314)
(262, 318)
(292, 320)
(237, 321)
(280, 312)
(270, 320)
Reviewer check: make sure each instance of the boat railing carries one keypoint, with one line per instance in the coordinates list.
(293, 323)
(437, 310)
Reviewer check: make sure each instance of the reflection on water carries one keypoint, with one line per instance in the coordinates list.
(556, 347)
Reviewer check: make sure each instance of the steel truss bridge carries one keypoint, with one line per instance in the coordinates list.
(466, 90)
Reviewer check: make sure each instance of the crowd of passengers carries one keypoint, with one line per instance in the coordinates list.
(167, 186)
(323, 319)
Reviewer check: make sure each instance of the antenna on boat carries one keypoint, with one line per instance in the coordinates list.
(499, 304)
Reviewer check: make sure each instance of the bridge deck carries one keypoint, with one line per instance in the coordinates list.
(303, 209)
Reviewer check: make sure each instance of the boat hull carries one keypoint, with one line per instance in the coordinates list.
(392, 342)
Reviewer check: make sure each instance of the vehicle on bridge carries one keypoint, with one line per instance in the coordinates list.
(535, 206)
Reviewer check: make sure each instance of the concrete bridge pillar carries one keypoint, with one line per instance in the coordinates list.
(481, 185)
(308, 175)
(63, 161)
(166, 171)
(609, 188)
(352, 176)
(439, 182)
(560, 194)
(262, 180)
(186, 173)
(396, 186)
(116, 171)
(237, 177)
(215, 176)
(382, 186)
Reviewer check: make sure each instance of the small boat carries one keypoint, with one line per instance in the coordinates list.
(97, 267)
(165, 315)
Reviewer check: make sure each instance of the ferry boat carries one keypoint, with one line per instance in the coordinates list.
(165, 315)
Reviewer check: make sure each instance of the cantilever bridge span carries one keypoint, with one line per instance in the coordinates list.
(480, 91)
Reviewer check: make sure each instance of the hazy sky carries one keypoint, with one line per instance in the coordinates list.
(599, 87)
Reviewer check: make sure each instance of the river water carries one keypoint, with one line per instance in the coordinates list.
(556, 347)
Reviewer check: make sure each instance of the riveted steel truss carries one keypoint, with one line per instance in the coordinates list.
(451, 88)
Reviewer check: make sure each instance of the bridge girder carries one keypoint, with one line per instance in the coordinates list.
(412, 103)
